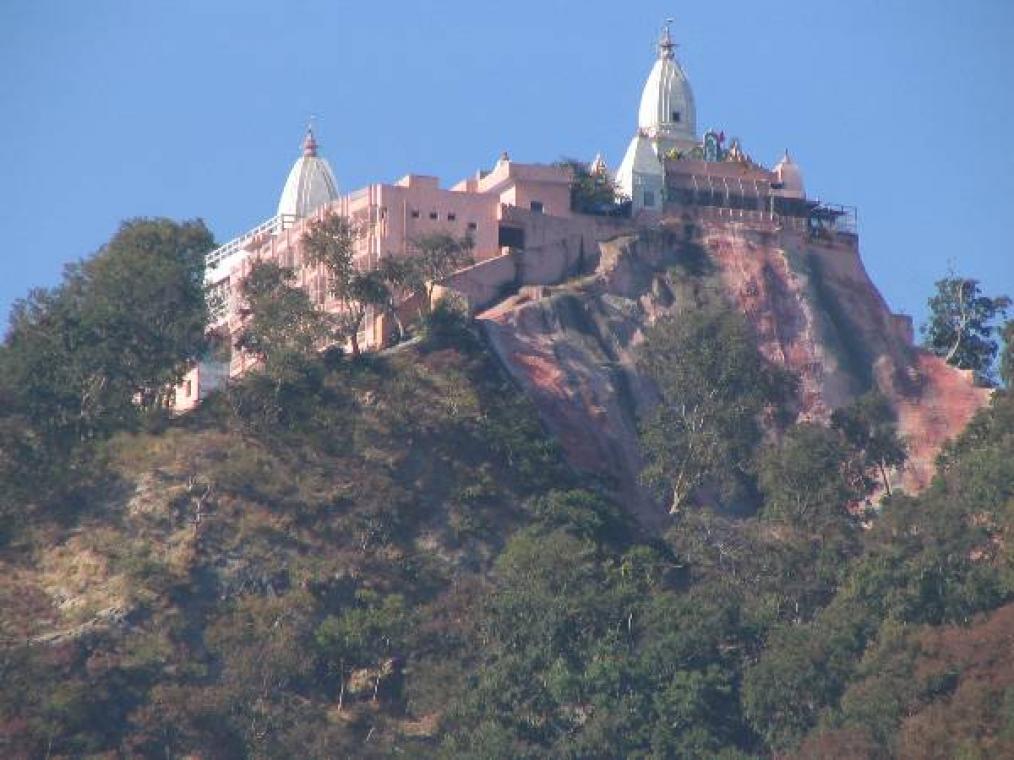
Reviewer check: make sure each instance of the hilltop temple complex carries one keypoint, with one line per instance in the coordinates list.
(518, 215)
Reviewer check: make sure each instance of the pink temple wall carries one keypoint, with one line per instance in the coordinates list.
(393, 215)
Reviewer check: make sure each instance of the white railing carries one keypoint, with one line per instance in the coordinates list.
(357, 194)
(272, 226)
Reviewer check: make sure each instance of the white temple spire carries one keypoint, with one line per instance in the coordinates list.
(667, 112)
(311, 183)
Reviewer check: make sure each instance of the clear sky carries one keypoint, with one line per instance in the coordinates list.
(184, 108)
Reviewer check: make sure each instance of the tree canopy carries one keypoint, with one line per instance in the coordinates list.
(714, 387)
(436, 256)
(281, 326)
(961, 325)
(590, 192)
(86, 357)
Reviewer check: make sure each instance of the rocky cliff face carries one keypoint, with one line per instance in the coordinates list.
(814, 308)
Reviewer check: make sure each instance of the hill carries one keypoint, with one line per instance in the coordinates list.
(414, 554)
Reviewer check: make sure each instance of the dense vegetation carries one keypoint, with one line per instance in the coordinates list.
(388, 557)
(963, 324)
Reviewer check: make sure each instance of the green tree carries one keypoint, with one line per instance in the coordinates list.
(714, 387)
(804, 477)
(283, 329)
(331, 242)
(803, 670)
(146, 294)
(870, 430)
(434, 257)
(1007, 358)
(960, 327)
(364, 290)
(396, 275)
(363, 636)
(281, 326)
(84, 358)
(590, 193)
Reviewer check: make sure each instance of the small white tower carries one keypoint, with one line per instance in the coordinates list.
(640, 176)
(311, 183)
(790, 177)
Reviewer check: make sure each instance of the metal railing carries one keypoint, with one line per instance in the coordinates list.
(272, 226)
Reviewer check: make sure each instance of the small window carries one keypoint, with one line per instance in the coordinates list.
(189, 389)
(537, 207)
(451, 216)
(415, 213)
(676, 116)
(434, 215)
(473, 226)
(511, 237)
(649, 198)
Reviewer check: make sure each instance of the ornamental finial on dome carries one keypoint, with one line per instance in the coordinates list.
(665, 43)
(309, 143)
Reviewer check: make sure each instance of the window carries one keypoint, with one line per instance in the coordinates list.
(536, 207)
(511, 237)
(473, 226)
(189, 389)
(433, 215)
(649, 198)
(451, 216)
(676, 116)
(415, 213)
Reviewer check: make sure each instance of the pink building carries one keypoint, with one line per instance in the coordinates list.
(391, 217)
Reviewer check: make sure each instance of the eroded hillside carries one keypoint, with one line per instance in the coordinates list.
(813, 309)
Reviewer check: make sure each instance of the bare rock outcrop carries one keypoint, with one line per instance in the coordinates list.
(571, 347)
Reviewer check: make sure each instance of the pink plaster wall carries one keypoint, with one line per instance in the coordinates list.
(393, 215)
(555, 249)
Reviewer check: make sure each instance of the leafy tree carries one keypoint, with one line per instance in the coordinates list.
(331, 242)
(85, 358)
(714, 387)
(1007, 358)
(434, 257)
(585, 514)
(286, 332)
(363, 636)
(869, 428)
(960, 326)
(804, 478)
(396, 275)
(803, 670)
(590, 193)
(281, 326)
(146, 298)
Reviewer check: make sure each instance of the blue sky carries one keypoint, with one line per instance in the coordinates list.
(110, 110)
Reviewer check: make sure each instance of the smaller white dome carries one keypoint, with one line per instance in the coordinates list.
(790, 177)
(639, 168)
(311, 183)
